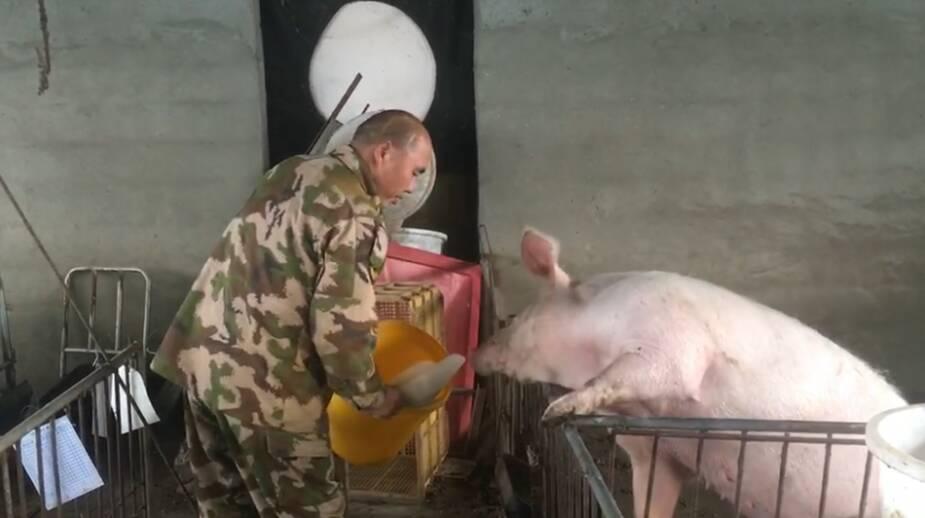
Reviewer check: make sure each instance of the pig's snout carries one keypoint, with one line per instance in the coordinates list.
(487, 359)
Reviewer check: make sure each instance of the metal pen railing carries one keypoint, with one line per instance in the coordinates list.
(96, 276)
(579, 458)
(102, 355)
(7, 353)
(124, 492)
(745, 432)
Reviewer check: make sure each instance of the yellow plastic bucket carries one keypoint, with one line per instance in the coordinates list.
(362, 440)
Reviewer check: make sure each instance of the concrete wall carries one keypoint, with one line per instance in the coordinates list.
(149, 137)
(777, 148)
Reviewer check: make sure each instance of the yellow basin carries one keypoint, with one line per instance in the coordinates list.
(360, 439)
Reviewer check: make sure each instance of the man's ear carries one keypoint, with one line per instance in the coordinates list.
(379, 152)
(540, 256)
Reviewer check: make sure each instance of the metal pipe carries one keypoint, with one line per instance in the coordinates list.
(41, 469)
(21, 483)
(112, 434)
(89, 352)
(96, 430)
(563, 464)
(783, 470)
(651, 479)
(81, 419)
(131, 450)
(64, 399)
(572, 481)
(591, 473)
(336, 111)
(620, 423)
(117, 438)
(65, 326)
(6, 343)
(867, 466)
(56, 466)
(144, 324)
(717, 436)
(117, 339)
(92, 316)
(697, 488)
(588, 501)
(7, 486)
(825, 477)
(546, 486)
(740, 474)
(146, 473)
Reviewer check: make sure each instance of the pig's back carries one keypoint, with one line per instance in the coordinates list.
(762, 363)
(796, 371)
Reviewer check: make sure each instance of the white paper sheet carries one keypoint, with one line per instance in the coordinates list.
(100, 410)
(121, 406)
(77, 474)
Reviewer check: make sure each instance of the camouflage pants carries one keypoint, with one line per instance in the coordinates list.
(256, 472)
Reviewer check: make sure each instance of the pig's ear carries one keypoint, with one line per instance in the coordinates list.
(540, 255)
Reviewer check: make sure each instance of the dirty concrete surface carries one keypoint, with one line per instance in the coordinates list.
(447, 497)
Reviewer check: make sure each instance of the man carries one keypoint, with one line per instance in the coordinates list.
(281, 316)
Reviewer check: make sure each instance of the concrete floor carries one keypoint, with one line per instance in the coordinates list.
(447, 497)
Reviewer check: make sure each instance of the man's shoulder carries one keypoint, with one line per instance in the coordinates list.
(312, 168)
(328, 180)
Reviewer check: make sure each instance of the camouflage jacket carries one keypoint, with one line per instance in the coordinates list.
(283, 311)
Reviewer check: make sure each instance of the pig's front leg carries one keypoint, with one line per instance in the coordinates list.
(667, 481)
(631, 378)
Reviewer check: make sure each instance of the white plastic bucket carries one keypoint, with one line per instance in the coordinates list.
(429, 240)
(897, 439)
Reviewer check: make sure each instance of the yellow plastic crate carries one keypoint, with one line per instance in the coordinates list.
(406, 477)
(419, 304)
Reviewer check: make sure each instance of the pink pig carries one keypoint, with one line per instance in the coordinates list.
(657, 344)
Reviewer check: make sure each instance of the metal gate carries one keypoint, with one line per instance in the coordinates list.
(118, 458)
(586, 475)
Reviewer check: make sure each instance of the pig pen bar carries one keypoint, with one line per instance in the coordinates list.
(572, 474)
(124, 490)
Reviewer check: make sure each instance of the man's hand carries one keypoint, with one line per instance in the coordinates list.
(391, 405)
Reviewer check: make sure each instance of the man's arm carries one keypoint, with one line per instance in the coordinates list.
(342, 311)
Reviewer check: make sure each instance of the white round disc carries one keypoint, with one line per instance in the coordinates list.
(384, 45)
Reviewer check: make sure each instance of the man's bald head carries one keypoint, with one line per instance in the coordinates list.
(397, 127)
(396, 147)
